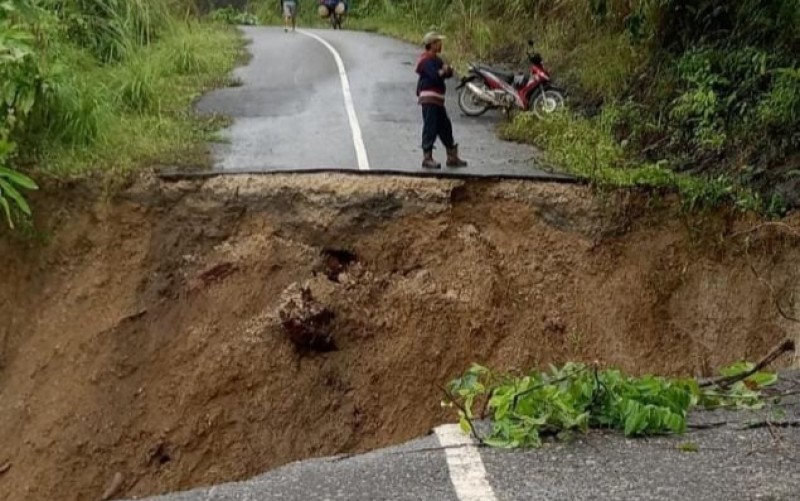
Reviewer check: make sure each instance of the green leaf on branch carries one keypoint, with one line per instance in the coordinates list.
(7, 211)
(18, 178)
(11, 182)
(9, 191)
(576, 397)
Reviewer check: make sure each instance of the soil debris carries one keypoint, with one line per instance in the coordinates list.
(159, 454)
(217, 272)
(336, 262)
(226, 371)
(306, 321)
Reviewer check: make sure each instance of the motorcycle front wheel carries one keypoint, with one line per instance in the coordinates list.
(547, 102)
(470, 104)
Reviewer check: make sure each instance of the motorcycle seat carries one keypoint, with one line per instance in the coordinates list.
(505, 75)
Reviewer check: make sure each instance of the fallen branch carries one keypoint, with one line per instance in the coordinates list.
(748, 426)
(782, 394)
(787, 345)
(451, 398)
(546, 383)
(485, 407)
(771, 424)
(707, 426)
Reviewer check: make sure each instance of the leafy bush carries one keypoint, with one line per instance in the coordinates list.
(577, 397)
(696, 112)
(19, 85)
(780, 106)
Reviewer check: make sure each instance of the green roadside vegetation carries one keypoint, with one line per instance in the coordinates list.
(103, 87)
(702, 97)
(571, 399)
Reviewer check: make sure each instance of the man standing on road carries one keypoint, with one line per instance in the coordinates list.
(289, 8)
(431, 90)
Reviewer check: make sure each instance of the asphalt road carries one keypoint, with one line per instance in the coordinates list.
(733, 461)
(290, 111)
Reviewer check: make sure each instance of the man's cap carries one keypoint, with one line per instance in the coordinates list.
(432, 36)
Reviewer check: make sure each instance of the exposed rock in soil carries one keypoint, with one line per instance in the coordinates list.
(113, 488)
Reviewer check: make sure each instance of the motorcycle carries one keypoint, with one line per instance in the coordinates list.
(485, 88)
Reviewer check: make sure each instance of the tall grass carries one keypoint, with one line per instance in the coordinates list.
(73, 111)
(148, 98)
(138, 85)
(110, 29)
(586, 148)
(185, 60)
(111, 83)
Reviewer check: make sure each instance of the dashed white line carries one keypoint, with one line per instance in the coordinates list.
(464, 462)
(355, 127)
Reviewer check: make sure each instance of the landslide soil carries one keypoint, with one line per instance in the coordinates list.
(141, 335)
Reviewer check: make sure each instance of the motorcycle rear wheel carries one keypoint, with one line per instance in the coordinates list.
(547, 102)
(470, 104)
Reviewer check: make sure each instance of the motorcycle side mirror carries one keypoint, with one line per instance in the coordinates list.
(530, 43)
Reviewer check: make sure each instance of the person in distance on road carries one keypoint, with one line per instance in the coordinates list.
(431, 90)
(332, 5)
(289, 8)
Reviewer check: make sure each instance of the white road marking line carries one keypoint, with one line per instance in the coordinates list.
(358, 140)
(466, 467)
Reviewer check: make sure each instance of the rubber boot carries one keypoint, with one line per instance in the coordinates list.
(429, 163)
(453, 159)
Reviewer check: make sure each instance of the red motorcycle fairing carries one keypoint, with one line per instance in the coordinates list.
(537, 78)
(496, 83)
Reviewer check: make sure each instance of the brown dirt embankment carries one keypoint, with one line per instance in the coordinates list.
(141, 335)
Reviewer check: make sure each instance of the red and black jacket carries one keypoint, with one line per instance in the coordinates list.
(431, 86)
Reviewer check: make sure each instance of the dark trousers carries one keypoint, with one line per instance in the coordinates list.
(436, 123)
